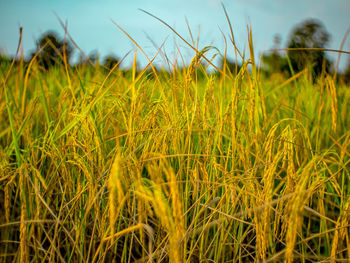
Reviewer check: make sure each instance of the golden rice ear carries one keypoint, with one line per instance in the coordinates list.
(116, 190)
(167, 215)
(24, 248)
(304, 190)
(341, 233)
(334, 101)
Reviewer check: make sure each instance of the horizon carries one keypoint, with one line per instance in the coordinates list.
(91, 25)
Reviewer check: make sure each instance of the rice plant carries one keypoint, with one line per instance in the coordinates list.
(184, 165)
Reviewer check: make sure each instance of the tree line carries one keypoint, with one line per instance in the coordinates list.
(310, 33)
(52, 50)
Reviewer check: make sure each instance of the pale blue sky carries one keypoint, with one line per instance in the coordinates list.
(89, 22)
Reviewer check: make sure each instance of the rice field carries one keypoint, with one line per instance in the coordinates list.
(173, 166)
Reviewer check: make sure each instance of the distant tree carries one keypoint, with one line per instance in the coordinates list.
(3, 58)
(231, 65)
(94, 56)
(274, 62)
(110, 61)
(50, 54)
(309, 34)
(346, 74)
(82, 59)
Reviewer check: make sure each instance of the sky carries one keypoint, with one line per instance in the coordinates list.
(90, 24)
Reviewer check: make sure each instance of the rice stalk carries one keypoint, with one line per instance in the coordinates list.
(116, 191)
(24, 253)
(303, 191)
(341, 233)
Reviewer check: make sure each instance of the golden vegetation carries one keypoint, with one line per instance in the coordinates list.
(181, 166)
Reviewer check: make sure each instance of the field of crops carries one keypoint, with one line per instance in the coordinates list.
(181, 166)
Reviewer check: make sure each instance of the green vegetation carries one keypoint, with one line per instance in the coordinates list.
(183, 166)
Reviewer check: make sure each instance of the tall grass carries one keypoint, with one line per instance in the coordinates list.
(157, 166)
